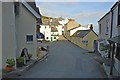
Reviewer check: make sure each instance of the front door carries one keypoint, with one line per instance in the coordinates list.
(95, 46)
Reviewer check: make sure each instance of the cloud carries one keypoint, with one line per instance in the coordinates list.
(76, 0)
(89, 14)
(52, 13)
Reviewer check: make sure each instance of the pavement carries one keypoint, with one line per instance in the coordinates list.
(65, 60)
(19, 71)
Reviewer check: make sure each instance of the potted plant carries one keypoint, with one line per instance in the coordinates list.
(20, 61)
(29, 55)
(10, 64)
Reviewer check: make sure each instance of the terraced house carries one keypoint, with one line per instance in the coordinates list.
(109, 29)
(51, 28)
(20, 21)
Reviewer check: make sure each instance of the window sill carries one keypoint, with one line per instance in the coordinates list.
(29, 42)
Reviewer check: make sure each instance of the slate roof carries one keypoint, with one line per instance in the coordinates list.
(81, 33)
(33, 5)
(115, 39)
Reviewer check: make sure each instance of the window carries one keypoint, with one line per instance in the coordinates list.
(29, 38)
(119, 15)
(47, 38)
(99, 28)
(107, 26)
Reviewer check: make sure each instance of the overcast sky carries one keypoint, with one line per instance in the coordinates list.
(83, 12)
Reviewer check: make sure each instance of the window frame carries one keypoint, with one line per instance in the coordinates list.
(107, 27)
(28, 36)
(99, 28)
(118, 20)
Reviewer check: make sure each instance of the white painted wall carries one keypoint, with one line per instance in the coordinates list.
(104, 25)
(46, 30)
(54, 34)
(63, 22)
(42, 29)
(76, 29)
(60, 29)
(25, 25)
(8, 32)
(115, 30)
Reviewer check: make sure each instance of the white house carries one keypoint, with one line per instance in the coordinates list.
(73, 30)
(18, 29)
(104, 32)
(51, 28)
(46, 29)
(61, 27)
(54, 34)
(109, 29)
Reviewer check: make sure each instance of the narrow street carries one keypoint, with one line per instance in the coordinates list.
(65, 60)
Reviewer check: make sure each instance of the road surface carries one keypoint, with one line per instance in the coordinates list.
(65, 60)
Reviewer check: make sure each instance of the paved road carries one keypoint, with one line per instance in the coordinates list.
(65, 60)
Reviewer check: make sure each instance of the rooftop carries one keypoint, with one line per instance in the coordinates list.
(81, 33)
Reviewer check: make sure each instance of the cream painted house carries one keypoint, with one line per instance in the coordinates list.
(84, 39)
(18, 29)
(70, 25)
(73, 30)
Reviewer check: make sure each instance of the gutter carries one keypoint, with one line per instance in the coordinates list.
(30, 9)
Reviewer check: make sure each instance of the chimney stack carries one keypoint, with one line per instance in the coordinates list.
(91, 26)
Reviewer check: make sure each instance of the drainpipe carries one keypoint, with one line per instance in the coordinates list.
(109, 54)
(113, 47)
(112, 60)
(111, 23)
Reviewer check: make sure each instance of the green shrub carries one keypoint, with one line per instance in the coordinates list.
(20, 59)
(10, 62)
(29, 55)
